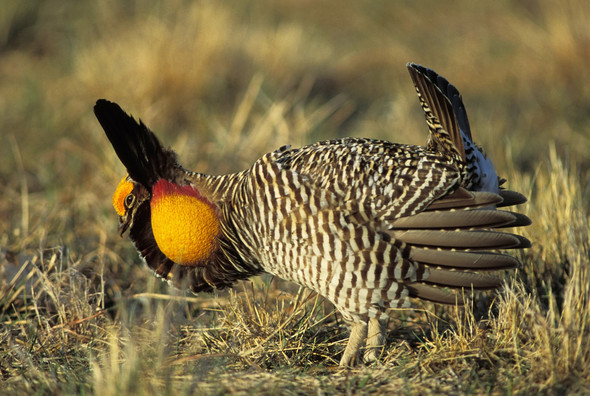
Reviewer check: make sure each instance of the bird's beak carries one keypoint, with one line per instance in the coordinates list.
(124, 223)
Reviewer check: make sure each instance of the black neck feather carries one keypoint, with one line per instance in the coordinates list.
(137, 147)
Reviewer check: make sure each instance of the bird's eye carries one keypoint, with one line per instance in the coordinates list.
(129, 199)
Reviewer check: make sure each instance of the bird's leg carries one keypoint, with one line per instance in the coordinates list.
(375, 340)
(358, 333)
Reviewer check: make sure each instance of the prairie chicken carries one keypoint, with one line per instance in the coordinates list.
(367, 224)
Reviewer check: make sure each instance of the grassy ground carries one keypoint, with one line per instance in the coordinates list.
(225, 82)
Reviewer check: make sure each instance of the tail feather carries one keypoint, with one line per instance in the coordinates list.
(136, 146)
(446, 93)
(444, 108)
(433, 91)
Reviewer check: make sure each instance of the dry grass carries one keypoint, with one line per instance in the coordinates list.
(225, 82)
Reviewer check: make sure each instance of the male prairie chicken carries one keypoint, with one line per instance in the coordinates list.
(367, 224)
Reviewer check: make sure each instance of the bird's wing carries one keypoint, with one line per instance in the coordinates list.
(386, 180)
(373, 241)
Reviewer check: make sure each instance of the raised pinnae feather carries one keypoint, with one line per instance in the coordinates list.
(137, 147)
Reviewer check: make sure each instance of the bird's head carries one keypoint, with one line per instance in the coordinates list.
(128, 197)
(156, 201)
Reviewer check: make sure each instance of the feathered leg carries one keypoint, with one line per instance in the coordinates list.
(375, 340)
(358, 333)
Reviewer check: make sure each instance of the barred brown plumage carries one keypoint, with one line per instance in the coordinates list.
(367, 224)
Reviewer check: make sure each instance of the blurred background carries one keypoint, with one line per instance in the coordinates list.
(225, 82)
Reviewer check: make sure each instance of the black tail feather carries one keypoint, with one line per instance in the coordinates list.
(449, 91)
(136, 146)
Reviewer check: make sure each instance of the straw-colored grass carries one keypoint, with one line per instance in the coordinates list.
(223, 83)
